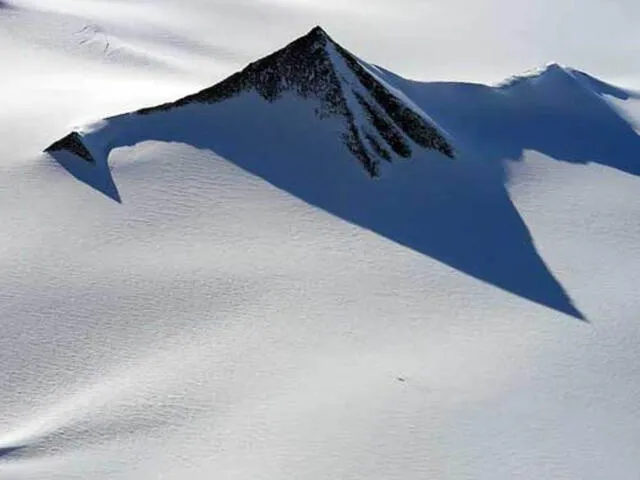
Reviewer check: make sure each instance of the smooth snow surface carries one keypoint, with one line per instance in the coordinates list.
(258, 308)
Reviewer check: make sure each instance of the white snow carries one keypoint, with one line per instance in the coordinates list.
(217, 325)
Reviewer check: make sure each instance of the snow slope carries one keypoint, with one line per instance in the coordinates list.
(217, 323)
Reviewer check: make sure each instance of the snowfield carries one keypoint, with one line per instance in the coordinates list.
(224, 290)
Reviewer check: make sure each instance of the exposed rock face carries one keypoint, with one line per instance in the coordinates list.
(315, 67)
(408, 121)
(72, 143)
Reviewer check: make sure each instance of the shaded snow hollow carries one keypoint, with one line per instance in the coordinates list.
(299, 117)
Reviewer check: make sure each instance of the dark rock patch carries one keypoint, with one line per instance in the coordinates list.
(72, 143)
(354, 142)
(388, 131)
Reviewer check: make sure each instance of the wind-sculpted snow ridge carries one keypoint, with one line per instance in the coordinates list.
(315, 67)
(551, 68)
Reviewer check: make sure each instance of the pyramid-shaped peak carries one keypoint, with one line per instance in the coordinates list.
(548, 72)
(302, 66)
(317, 35)
(377, 124)
(318, 31)
(554, 67)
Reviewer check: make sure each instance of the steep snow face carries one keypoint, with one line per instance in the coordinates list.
(625, 102)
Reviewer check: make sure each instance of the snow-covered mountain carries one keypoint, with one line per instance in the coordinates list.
(313, 269)
(377, 124)
(300, 117)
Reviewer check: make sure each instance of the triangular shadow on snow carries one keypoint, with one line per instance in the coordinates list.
(459, 213)
(73, 156)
